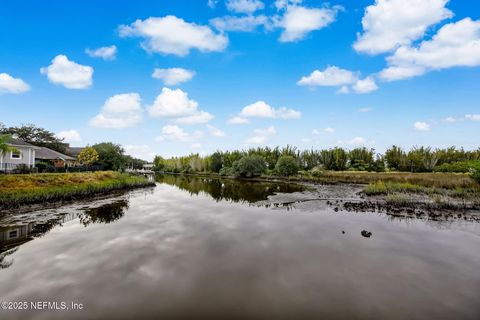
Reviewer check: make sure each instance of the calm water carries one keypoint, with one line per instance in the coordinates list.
(197, 248)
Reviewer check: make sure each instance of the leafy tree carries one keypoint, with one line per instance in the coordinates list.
(361, 158)
(396, 158)
(87, 156)
(286, 166)
(38, 136)
(216, 162)
(134, 163)
(110, 156)
(249, 166)
(159, 163)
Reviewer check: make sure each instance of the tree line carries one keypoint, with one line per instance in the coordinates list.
(417, 159)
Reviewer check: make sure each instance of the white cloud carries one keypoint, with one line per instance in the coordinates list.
(141, 151)
(261, 136)
(473, 117)
(69, 136)
(177, 134)
(343, 90)
(421, 126)
(172, 35)
(450, 119)
(212, 3)
(244, 6)
(176, 105)
(329, 130)
(238, 120)
(173, 76)
(332, 76)
(68, 73)
(215, 131)
(261, 109)
(283, 4)
(315, 132)
(298, 21)
(455, 44)
(364, 110)
(196, 118)
(119, 111)
(366, 85)
(243, 23)
(9, 84)
(106, 53)
(388, 24)
(358, 141)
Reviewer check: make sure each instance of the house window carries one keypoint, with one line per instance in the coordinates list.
(16, 155)
(12, 234)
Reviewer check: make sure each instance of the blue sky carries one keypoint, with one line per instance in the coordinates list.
(305, 73)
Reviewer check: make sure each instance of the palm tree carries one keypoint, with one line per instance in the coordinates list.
(4, 147)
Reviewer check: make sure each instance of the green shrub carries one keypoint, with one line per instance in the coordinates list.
(249, 166)
(476, 175)
(317, 171)
(286, 166)
(460, 166)
(226, 171)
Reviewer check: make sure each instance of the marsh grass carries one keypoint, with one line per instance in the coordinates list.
(17, 190)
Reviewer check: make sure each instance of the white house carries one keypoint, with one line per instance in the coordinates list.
(24, 154)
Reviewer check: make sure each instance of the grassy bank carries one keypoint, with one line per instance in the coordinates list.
(20, 190)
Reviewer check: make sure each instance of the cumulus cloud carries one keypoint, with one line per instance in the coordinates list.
(9, 84)
(140, 151)
(215, 131)
(106, 53)
(119, 111)
(455, 44)
(243, 23)
(172, 35)
(388, 24)
(177, 134)
(329, 130)
(212, 3)
(68, 73)
(244, 6)
(69, 136)
(421, 126)
(260, 136)
(261, 109)
(331, 76)
(366, 85)
(298, 21)
(473, 117)
(173, 76)
(176, 105)
(196, 145)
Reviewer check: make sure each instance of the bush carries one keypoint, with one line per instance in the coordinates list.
(317, 171)
(476, 175)
(45, 167)
(249, 166)
(226, 171)
(286, 166)
(460, 166)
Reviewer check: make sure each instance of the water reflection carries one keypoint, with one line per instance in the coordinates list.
(228, 189)
(107, 213)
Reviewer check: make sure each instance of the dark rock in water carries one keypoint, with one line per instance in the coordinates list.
(366, 234)
(336, 209)
(343, 232)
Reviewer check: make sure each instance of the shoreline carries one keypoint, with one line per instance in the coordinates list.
(45, 191)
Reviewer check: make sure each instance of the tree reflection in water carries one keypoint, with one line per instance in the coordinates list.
(107, 213)
(228, 189)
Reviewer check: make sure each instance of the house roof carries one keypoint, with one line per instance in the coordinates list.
(49, 154)
(74, 151)
(20, 143)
